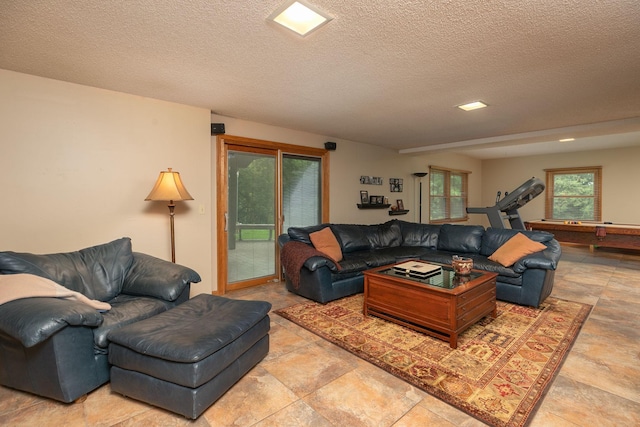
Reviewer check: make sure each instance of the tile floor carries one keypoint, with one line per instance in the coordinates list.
(305, 381)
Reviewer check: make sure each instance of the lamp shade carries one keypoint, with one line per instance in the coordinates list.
(169, 187)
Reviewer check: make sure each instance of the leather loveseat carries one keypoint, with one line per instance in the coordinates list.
(527, 282)
(58, 348)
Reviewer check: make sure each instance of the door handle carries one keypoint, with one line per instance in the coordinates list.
(226, 222)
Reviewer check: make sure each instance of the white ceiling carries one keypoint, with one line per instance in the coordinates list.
(388, 73)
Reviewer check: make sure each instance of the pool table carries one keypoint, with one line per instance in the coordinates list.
(594, 234)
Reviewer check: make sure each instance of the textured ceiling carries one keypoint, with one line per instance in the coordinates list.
(388, 72)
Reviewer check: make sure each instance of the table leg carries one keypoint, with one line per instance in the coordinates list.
(453, 340)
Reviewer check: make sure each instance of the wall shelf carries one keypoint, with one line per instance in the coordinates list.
(399, 212)
(374, 206)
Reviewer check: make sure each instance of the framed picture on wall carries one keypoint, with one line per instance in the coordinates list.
(400, 204)
(364, 197)
(395, 185)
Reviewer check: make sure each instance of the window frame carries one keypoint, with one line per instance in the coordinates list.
(447, 193)
(550, 196)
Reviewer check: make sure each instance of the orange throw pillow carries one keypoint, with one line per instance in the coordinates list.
(326, 242)
(515, 248)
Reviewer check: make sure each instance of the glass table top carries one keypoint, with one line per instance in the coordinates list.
(445, 279)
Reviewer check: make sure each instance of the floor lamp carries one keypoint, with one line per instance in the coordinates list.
(169, 188)
(420, 175)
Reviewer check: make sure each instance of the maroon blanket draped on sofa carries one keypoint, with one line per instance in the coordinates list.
(293, 256)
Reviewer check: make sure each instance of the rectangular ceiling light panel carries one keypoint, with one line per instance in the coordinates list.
(472, 106)
(300, 17)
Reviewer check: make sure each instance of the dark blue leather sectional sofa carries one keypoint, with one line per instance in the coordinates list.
(528, 282)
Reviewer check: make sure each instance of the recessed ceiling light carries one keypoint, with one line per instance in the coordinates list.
(567, 140)
(300, 16)
(472, 106)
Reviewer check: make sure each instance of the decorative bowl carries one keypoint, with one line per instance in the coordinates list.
(461, 265)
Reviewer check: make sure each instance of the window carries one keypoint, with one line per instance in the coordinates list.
(574, 194)
(447, 195)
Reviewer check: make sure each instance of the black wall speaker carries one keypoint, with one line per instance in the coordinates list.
(217, 128)
(331, 146)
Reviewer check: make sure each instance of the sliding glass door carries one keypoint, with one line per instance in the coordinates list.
(263, 189)
(251, 215)
(301, 191)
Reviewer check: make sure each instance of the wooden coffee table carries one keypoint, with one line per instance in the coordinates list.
(442, 306)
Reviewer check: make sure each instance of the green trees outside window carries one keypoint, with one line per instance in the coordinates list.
(447, 195)
(574, 194)
(256, 190)
(301, 178)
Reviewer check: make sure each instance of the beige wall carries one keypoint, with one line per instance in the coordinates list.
(77, 163)
(620, 172)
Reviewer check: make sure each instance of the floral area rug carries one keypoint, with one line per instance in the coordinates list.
(499, 372)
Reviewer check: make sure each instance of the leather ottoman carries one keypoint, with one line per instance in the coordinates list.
(185, 359)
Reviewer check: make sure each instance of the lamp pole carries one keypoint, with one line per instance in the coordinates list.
(172, 206)
(420, 175)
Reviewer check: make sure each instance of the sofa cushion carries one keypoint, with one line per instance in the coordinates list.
(481, 262)
(126, 309)
(33, 320)
(354, 263)
(378, 258)
(387, 235)
(493, 238)
(425, 235)
(402, 253)
(353, 238)
(325, 241)
(460, 239)
(154, 277)
(301, 234)
(515, 248)
(440, 257)
(193, 330)
(97, 272)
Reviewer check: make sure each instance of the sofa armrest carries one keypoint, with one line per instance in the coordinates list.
(315, 262)
(283, 239)
(155, 277)
(546, 260)
(33, 320)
